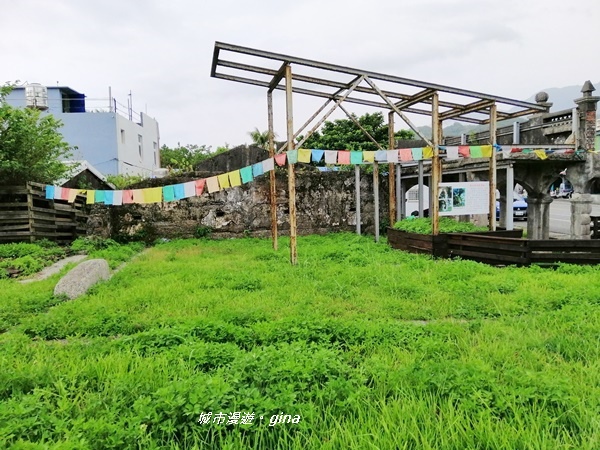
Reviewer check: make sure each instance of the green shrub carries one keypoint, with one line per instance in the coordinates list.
(447, 225)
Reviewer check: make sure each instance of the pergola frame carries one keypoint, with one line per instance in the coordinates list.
(338, 84)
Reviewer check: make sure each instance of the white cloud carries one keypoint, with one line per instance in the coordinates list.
(162, 50)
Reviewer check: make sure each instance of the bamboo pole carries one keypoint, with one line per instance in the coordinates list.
(272, 180)
(291, 173)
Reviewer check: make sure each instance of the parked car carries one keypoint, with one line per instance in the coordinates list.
(519, 209)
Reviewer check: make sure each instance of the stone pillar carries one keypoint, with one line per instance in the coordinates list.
(538, 216)
(587, 116)
(503, 211)
(581, 208)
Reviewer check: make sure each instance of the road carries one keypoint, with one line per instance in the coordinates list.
(560, 216)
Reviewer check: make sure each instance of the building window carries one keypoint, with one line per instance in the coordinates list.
(122, 136)
(140, 146)
(155, 148)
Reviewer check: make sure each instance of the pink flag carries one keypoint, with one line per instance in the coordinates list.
(127, 196)
(343, 157)
(464, 151)
(280, 159)
(200, 186)
(406, 154)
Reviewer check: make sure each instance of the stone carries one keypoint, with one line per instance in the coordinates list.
(81, 278)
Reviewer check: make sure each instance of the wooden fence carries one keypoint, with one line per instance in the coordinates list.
(26, 215)
(499, 248)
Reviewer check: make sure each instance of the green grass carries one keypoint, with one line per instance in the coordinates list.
(447, 225)
(372, 347)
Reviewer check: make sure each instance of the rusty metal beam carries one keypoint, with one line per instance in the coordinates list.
(397, 111)
(272, 180)
(290, 167)
(278, 76)
(414, 99)
(479, 106)
(391, 171)
(333, 108)
(436, 175)
(492, 171)
(373, 75)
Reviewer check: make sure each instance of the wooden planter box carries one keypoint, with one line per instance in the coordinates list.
(437, 245)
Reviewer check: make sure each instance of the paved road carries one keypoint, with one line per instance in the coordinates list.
(560, 215)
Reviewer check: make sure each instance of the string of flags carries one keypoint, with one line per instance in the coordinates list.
(247, 174)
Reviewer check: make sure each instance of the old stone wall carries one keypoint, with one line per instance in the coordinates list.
(325, 203)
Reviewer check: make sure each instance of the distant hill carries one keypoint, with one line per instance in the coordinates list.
(561, 98)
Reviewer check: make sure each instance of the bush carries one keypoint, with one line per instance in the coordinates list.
(447, 225)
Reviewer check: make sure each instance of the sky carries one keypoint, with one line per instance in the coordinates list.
(161, 51)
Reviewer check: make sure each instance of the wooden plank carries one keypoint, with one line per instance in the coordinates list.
(481, 257)
(551, 244)
(565, 256)
(22, 226)
(14, 233)
(13, 205)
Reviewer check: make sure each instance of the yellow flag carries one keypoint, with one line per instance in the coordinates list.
(153, 195)
(486, 151)
(304, 155)
(541, 154)
(223, 180)
(427, 153)
(235, 178)
(369, 156)
(91, 197)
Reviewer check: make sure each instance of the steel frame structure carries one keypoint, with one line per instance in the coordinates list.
(337, 84)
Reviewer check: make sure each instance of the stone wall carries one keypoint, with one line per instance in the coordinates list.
(324, 202)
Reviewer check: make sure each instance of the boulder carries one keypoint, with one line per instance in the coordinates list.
(79, 279)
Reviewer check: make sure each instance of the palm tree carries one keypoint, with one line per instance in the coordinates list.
(260, 139)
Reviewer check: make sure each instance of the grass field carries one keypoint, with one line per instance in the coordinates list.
(372, 348)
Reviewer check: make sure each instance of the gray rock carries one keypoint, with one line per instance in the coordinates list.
(78, 280)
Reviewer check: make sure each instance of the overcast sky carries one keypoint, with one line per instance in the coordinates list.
(162, 50)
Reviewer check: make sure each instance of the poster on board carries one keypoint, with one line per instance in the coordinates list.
(456, 199)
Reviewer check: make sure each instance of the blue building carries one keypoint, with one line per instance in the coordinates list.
(113, 138)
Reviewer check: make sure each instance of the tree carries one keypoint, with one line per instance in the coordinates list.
(184, 158)
(31, 148)
(260, 139)
(344, 134)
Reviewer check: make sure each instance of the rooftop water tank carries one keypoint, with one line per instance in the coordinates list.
(36, 96)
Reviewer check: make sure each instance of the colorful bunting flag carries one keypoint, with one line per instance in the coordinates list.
(541, 154)
(417, 153)
(235, 179)
(392, 156)
(117, 198)
(90, 197)
(343, 157)
(49, 192)
(189, 189)
(257, 169)
(356, 157)
(224, 180)
(153, 195)
(427, 153)
(72, 194)
(212, 184)
(127, 196)
(405, 154)
(108, 197)
(304, 155)
(246, 173)
(200, 186)
(137, 196)
(292, 156)
(169, 193)
(280, 159)
(100, 196)
(369, 156)
(57, 192)
(269, 164)
(381, 156)
(486, 151)
(464, 151)
(476, 151)
(317, 155)
(179, 191)
(451, 153)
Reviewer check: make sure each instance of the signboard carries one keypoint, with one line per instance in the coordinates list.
(456, 199)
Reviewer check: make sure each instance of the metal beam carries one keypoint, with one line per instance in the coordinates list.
(391, 171)
(414, 99)
(436, 177)
(397, 111)
(374, 75)
(272, 180)
(479, 106)
(492, 172)
(291, 173)
(278, 77)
